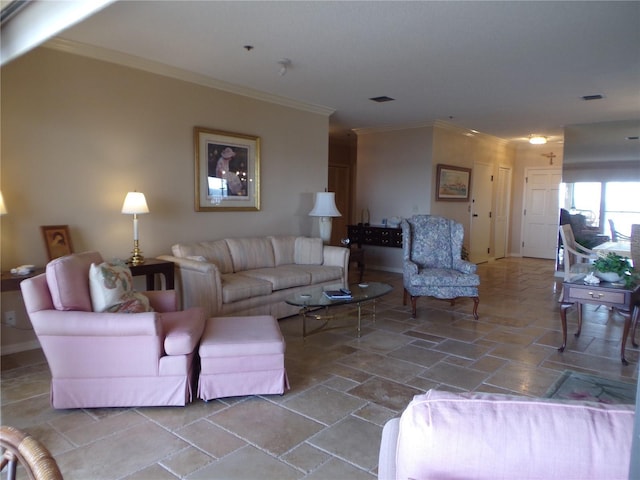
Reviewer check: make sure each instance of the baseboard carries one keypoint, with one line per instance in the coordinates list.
(20, 347)
(383, 268)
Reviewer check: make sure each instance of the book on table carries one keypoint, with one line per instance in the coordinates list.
(337, 295)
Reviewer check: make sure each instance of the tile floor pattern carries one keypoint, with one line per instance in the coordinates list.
(343, 388)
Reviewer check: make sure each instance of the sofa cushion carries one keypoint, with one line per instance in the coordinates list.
(236, 286)
(250, 253)
(489, 436)
(216, 252)
(308, 251)
(68, 281)
(283, 249)
(320, 273)
(281, 277)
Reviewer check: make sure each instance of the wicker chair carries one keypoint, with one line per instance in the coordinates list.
(22, 449)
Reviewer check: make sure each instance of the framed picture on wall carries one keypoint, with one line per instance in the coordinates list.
(453, 183)
(57, 240)
(227, 171)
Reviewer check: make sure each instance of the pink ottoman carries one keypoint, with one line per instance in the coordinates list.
(241, 356)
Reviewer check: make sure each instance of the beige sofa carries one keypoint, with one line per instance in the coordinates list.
(254, 275)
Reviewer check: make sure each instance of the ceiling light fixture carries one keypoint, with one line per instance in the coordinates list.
(537, 140)
(285, 64)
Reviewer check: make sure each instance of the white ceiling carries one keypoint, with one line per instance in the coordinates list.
(506, 69)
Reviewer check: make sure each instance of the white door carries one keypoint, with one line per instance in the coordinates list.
(481, 195)
(503, 201)
(541, 212)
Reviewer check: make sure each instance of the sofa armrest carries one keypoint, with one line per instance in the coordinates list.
(388, 447)
(94, 324)
(339, 257)
(200, 284)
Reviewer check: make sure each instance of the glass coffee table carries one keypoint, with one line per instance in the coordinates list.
(314, 299)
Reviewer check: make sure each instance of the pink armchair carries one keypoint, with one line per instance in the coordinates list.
(110, 359)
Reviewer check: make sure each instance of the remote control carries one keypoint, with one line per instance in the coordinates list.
(346, 291)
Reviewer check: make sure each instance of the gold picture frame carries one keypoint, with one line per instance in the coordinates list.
(453, 183)
(57, 240)
(227, 171)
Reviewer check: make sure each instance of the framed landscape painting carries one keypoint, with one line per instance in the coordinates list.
(453, 183)
(227, 171)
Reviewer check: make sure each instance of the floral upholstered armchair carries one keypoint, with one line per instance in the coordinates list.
(432, 263)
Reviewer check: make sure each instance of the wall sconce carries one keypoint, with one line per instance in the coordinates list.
(3, 209)
(135, 204)
(325, 208)
(537, 140)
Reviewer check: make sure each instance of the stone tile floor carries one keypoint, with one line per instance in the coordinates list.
(343, 388)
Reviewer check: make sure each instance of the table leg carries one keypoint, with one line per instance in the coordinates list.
(636, 314)
(625, 334)
(359, 318)
(579, 307)
(563, 317)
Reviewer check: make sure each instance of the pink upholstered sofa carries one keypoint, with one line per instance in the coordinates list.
(489, 436)
(110, 359)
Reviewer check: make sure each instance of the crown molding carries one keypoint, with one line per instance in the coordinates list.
(391, 128)
(140, 63)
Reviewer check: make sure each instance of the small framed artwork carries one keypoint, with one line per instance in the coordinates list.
(57, 240)
(453, 183)
(227, 171)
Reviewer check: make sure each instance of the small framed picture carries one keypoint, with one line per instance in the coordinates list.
(453, 183)
(57, 240)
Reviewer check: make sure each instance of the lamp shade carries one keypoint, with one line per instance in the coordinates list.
(325, 205)
(135, 203)
(3, 209)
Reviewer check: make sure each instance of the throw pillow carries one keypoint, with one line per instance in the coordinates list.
(308, 251)
(111, 286)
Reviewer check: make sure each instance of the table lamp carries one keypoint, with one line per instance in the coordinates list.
(135, 204)
(325, 208)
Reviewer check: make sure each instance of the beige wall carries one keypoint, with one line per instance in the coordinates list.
(78, 133)
(397, 169)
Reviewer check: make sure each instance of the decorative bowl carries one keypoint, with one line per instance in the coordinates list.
(608, 276)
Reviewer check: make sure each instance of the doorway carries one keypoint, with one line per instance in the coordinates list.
(503, 202)
(541, 212)
(482, 195)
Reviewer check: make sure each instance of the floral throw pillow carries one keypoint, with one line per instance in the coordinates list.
(111, 286)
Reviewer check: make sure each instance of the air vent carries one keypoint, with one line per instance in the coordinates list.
(592, 97)
(382, 99)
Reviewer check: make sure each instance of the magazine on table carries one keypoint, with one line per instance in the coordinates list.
(342, 294)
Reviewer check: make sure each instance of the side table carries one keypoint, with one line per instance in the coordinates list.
(150, 267)
(11, 282)
(624, 300)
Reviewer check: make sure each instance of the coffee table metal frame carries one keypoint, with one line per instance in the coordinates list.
(314, 299)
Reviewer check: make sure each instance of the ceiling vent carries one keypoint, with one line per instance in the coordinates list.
(382, 99)
(592, 97)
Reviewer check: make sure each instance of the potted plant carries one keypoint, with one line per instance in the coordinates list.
(614, 268)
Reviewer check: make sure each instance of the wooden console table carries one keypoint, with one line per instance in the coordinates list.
(624, 300)
(379, 236)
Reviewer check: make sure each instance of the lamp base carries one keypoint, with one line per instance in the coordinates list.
(325, 229)
(136, 258)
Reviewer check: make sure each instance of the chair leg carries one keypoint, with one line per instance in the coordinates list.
(404, 297)
(414, 301)
(476, 301)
